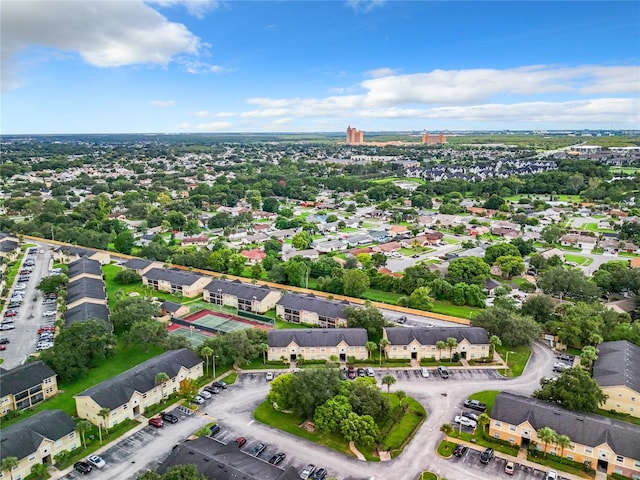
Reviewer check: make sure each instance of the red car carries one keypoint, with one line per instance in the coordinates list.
(241, 441)
(10, 313)
(156, 422)
(3, 347)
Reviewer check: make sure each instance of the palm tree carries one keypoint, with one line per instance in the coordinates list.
(546, 436)
(440, 345)
(494, 342)
(82, 427)
(589, 355)
(104, 414)
(402, 396)
(451, 344)
(264, 348)
(447, 429)
(9, 463)
(563, 441)
(161, 379)
(371, 346)
(384, 343)
(39, 470)
(206, 352)
(483, 421)
(388, 380)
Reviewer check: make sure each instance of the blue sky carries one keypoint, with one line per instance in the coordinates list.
(264, 66)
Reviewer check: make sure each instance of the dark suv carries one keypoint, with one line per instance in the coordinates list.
(460, 450)
(82, 467)
(486, 456)
(169, 417)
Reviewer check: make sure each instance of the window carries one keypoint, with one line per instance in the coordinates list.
(47, 380)
(49, 390)
(71, 436)
(32, 458)
(569, 456)
(144, 395)
(273, 350)
(496, 435)
(619, 458)
(498, 424)
(588, 449)
(512, 428)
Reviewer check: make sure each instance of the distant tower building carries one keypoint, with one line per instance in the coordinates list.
(354, 136)
(440, 139)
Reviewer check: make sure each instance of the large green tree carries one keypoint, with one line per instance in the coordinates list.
(368, 317)
(131, 310)
(355, 283)
(329, 415)
(539, 307)
(513, 329)
(471, 270)
(124, 242)
(571, 282)
(366, 399)
(361, 430)
(574, 389)
(498, 250)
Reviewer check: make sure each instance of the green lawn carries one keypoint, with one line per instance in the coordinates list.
(518, 357)
(488, 397)
(124, 359)
(579, 259)
(380, 296)
(593, 227)
(404, 429)
(282, 324)
(448, 308)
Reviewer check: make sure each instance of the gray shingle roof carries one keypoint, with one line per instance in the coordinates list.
(137, 263)
(118, 390)
(84, 265)
(23, 377)
(317, 337)
(173, 276)
(79, 251)
(242, 290)
(24, 437)
(311, 303)
(583, 428)
(429, 336)
(8, 246)
(618, 364)
(86, 288)
(86, 311)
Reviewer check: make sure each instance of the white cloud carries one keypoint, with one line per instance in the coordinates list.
(364, 6)
(380, 72)
(103, 33)
(213, 126)
(197, 8)
(196, 67)
(206, 113)
(163, 103)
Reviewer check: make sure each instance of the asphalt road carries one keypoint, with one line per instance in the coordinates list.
(233, 409)
(24, 337)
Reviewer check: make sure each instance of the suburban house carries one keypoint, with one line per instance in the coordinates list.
(38, 439)
(317, 344)
(312, 310)
(86, 311)
(584, 242)
(175, 281)
(68, 253)
(310, 253)
(388, 247)
(609, 445)
(174, 309)
(9, 246)
(254, 256)
(201, 241)
(617, 371)
(418, 343)
(329, 246)
(86, 290)
(84, 268)
(128, 395)
(243, 296)
(140, 265)
(26, 385)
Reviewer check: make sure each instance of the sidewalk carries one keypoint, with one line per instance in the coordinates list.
(520, 459)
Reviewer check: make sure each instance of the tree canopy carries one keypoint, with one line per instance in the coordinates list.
(574, 389)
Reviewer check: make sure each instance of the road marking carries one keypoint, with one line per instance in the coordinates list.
(250, 422)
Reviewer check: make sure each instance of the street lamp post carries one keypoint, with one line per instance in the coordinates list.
(213, 357)
(507, 362)
(219, 299)
(460, 424)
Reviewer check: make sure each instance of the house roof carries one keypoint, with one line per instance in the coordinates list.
(86, 288)
(253, 254)
(84, 265)
(618, 364)
(583, 428)
(429, 336)
(219, 461)
(23, 377)
(23, 438)
(8, 246)
(86, 311)
(311, 303)
(242, 290)
(317, 337)
(137, 263)
(118, 390)
(79, 251)
(170, 306)
(492, 283)
(175, 277)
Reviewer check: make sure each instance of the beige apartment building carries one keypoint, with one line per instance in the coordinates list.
(617, 371)
(25, 386)
(128, 395)
(418, 343)
(176, 282)
(241, 295)
(311, 310)
(317, 344)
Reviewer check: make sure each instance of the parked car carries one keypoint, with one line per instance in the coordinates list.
(96, 461)
(156, 422)
(7, 326)
(3, 347)
(370, 372)
(258, 449)
(277, 458)
(198, 399)
(10, 313)
(402, 319)
(361, 372)
(442, 370)
(486, 456)
(551, 475)
(307, 471)
(351, 373)
(50, 313)
(213, 429)
(510, 468)
(424, 371)
(319, 474)
(466, 422)
(475, 405)
(169, 417)
(204, 394)
(240, 441)
(269, 376)
(460, 450)
(470, 415)
(82, 467)
(4, 341)
(220, 384)
(212, 389)
(560, 367)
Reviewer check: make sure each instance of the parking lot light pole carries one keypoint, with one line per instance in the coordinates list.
(214, 365)
(507, 362)
(460, 425)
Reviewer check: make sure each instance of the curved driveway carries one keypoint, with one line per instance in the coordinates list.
(233, 409)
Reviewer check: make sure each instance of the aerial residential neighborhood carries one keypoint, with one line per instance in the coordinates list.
(488, 311)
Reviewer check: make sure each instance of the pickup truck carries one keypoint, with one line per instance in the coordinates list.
(475, 405)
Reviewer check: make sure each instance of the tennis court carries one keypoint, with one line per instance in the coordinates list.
(222, 324)
(194, 336)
